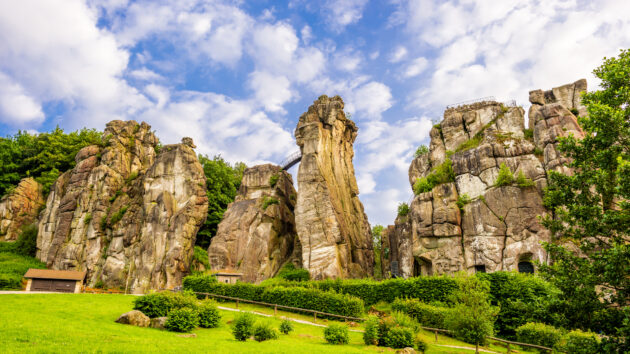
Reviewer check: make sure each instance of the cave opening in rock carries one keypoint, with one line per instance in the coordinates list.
(422, 266)
(525, 267)
(481, 268)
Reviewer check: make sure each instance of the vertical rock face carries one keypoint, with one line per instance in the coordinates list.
(20, 208)
(126, 214)
(332, 226)
(493, 227)
(257, 234)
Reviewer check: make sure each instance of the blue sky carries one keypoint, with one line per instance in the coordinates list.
(236, 75)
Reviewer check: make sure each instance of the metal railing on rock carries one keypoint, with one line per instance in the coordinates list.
(291, 160)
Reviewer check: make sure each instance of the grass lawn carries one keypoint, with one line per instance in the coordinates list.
(71, 323)
(13, 266)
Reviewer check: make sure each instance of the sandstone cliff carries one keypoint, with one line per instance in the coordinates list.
(468, 222)
(257, 234)
(331, 224)
(20, 208)
(125, 213)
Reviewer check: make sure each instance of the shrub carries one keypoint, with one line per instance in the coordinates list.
(161, 304)
(523, 181)
(538, 333)
(370, 335)
(336, 334)
(578, 342)
(243, 326)
(422, 149)
(273, 180)
(118, 215)
(286, 326)
(26, 243)
(182, 320)
(505, 177)
(427, 315)
(200, 256)
(421, 345)
(314, 299)
(267, 201)
(538, 151)
(470, 143)
(528, 133)
(209, 316)
(399, 337)
(403, 320)
(131, 177)
(264, 331)
(443, 173)
(290, 273)
(403, 209)
(462, 200)
(87, 218)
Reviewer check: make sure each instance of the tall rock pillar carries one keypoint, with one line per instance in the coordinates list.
(331, 224)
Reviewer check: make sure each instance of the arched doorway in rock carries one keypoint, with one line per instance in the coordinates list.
(422, 266)
(525, 264)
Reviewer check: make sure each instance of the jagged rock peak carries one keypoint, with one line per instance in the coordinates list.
(19, 208)
(126, 214)
(330, 220)
(257, 235)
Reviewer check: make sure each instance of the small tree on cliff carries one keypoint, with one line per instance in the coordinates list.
(591, 207)
(377, 235)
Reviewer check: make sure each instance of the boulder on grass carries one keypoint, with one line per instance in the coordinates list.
(407, 350)
(158, 322)
(134, 318)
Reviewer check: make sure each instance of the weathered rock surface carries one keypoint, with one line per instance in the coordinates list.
(494, 227)
(135, 318)
(257, 234)
(125, 213)
(331, 223)
(20, 208)
(158, 322)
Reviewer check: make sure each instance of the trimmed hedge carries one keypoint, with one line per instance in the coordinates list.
(427, 315)
(182, 320)
(305, 298)
(289, 272)
(539, 333)
(161, 304)
(426, 289)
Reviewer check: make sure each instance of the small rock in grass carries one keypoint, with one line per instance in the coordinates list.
(134, 318)
(158, 322)
(191, 335)
(407, 350)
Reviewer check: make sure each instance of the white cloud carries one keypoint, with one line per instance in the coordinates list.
(342, 13)
(399, 54)
(416, 67)
(17, 108)
(145, 75)
(271, 91)
(372, 99)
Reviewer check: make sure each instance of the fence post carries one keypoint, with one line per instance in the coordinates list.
(206, 296)
(508, 348)
(436, 336)
(236, 303)
(275, 310)
(315, 315)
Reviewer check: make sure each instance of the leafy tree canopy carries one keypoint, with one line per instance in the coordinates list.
(43, 156)
(222, 182)
(591, 207)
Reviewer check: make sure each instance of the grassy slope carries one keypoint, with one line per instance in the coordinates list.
(85, 323)
(13, 267)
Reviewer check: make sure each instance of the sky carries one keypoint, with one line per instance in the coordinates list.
(236, 75)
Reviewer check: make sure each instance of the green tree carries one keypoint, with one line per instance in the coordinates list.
(591, 207)
(222, 182)
(377, 235)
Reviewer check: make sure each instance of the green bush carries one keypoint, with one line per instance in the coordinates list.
(183, 319)
(290, 273)
(243, 326)
(427, 315)
(200, 257)
(523, 181)
(370, 335)
(470, 143)
(422, 149)
(13, 266)
(462, 200)
(528, 133)
(286, 326)
(399, 337)
(538, 333)
(118, 215)
(421, 345)
(403, 209)
(273, 180)
(578, 342)
(264, 331)
(161, 304)
(505, 177)
(336, 334)
(441, 174)
(26, 243)
(209, 316)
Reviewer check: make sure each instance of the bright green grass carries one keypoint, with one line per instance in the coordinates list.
(69, 323)
(13, 266)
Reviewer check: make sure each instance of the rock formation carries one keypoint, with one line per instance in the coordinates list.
(257, 234)
(469, 222)
(331, 224)
(20, 208)
(126, 213)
